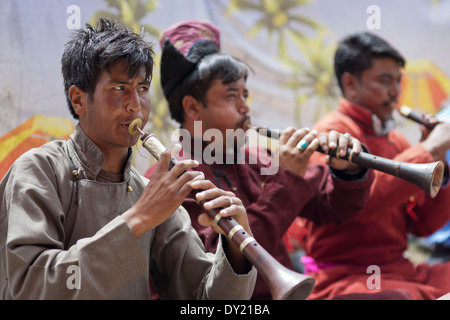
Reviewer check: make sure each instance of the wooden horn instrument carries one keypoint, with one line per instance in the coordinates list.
(284, 284)
(426, 176)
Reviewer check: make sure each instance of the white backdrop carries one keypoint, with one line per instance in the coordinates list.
(33, 34)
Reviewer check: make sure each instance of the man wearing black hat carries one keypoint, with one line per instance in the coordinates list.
(207, 95)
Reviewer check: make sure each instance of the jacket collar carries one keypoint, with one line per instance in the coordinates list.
(367, 120)
(91, 156)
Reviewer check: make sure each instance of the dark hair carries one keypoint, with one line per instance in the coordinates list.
(197, 83)
(93, 50)
(356, 52)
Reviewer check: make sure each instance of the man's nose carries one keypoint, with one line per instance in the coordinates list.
(134, 103)
(243, 107)
(396, 89)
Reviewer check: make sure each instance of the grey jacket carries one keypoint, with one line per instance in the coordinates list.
(62, 236)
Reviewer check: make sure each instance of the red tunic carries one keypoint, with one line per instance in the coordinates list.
(379, 234)
(274, 201)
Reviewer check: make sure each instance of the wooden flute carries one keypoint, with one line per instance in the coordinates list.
(284, 284)
(427, 176)
(407, 112)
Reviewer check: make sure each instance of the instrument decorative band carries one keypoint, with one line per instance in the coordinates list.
(427, 176)
(283, 283)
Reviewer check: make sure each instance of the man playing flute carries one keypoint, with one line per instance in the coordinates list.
(207, 93)
(366, 254)
(78, 206)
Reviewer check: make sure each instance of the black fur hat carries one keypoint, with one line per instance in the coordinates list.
(175, 66)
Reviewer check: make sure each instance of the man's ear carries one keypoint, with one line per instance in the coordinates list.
(78, 98)
(350, 85)
(191, 108)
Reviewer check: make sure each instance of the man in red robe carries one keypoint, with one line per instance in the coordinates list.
(365, 254)
(207, 93)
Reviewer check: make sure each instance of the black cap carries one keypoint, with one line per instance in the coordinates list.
(175, 66)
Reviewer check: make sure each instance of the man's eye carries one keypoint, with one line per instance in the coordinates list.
(386, 81)
(119, 88)
(143, 89)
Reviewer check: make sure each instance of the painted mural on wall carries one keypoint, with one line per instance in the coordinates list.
(288, 43)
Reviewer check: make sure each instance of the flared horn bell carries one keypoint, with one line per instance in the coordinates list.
(284, 284)
(290, 285)
(427, 176)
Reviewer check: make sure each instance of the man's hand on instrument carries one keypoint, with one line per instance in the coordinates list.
(215, 198)
(164, 193)
(339, 141)
(438, 141)
(230, 205)
(295, 148)
(432, 120)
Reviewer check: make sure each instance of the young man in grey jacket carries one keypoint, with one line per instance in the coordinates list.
(77, 221)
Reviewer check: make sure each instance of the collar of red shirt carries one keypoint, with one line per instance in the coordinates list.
(367, 120)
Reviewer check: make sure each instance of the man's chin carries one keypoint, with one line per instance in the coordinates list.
(131, 141)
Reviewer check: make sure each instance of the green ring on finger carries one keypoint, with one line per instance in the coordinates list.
(302, 144)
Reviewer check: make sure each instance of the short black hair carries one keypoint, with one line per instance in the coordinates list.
(211, 67)
(355, 54)
(93, 50)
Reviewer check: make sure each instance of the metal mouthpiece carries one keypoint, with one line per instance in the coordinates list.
(135, 126)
